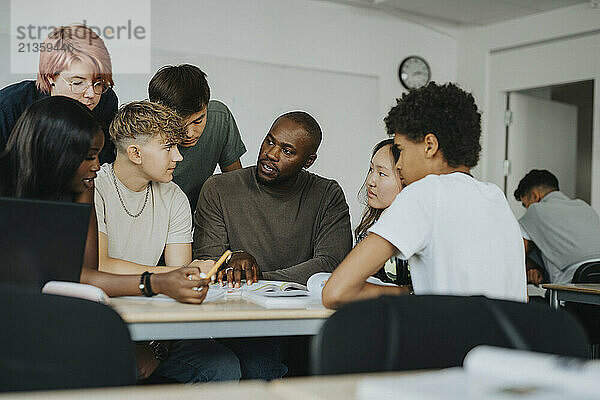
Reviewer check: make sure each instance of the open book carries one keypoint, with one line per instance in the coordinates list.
(493, 373)
(276, 289)
(277, 294)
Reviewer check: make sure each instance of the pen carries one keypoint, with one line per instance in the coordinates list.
(225, 257)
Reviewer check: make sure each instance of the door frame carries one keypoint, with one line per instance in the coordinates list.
(546, 64)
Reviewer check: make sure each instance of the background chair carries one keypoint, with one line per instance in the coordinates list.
(587, 314)
(422, 332)
(587, 272)
(55, 342)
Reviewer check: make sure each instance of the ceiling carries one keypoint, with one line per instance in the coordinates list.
(466, 12)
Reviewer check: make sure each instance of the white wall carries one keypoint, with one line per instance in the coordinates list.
(358, 46)
(550, 48)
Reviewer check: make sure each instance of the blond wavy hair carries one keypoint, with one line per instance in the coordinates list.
(143, 120)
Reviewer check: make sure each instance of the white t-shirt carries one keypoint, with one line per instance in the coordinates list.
(166, 219)
(459, 237)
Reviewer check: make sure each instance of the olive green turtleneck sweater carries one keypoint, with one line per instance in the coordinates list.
(292, 234)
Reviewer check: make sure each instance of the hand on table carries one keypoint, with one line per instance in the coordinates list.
(240, 263)
(534, 276)
(183, 284)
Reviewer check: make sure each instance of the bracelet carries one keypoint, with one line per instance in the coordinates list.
(145, 286)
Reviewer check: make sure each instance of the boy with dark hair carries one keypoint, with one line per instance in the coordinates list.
(212, 136)
(566, 232)
(458, 234)
(534, 186)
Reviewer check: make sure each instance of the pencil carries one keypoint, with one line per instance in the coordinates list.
(219, 262)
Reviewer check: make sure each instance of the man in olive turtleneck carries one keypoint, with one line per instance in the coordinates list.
(289, 223)
(283, 222)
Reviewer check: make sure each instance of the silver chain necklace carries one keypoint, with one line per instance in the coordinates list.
(114, 176)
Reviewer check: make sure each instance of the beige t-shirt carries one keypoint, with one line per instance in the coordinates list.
(166, 219)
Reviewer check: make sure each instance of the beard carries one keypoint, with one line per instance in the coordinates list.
(277, 181)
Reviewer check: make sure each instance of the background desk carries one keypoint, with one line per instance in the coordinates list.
(231, 317)
(588, 293)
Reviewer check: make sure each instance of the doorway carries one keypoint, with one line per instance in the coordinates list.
(550, 128)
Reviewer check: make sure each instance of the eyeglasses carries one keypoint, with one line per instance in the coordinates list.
(79, 87)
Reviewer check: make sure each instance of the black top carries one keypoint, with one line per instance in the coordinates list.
(15, 98)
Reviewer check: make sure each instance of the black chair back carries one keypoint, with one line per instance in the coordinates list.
(56, 342)
(588, 272)
(424, 332)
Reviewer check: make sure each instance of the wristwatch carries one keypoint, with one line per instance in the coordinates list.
(161, 351)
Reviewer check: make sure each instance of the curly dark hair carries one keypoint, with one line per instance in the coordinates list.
(536, 178)
(448, 112)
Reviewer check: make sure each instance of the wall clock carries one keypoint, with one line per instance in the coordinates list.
(414, 72)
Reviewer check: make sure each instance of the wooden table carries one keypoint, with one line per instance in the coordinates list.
(232, 316)
(333, 387)
(222, 391)
(588, 293)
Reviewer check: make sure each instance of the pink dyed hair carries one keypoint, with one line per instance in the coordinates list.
(73, 43)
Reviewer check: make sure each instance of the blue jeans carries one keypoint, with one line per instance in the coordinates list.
(202, 360)
(259, 358)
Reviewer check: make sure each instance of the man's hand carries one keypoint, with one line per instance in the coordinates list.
(534, 276)
(232, 271)
(146, 362)
(183, 284)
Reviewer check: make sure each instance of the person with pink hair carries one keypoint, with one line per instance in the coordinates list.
(77, 66)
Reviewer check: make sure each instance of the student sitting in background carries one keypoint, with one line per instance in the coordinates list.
(141, 213)
(78, 66)
(212, 135)
(458, 234)
(381, 186)
(565, 231)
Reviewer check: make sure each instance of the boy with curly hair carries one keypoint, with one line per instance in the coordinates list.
(457, 233)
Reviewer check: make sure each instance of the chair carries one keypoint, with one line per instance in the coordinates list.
(587, 314)
(55, 342)
(424, 332)
(587, 272)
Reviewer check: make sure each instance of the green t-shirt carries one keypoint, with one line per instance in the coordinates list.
(220, 143)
